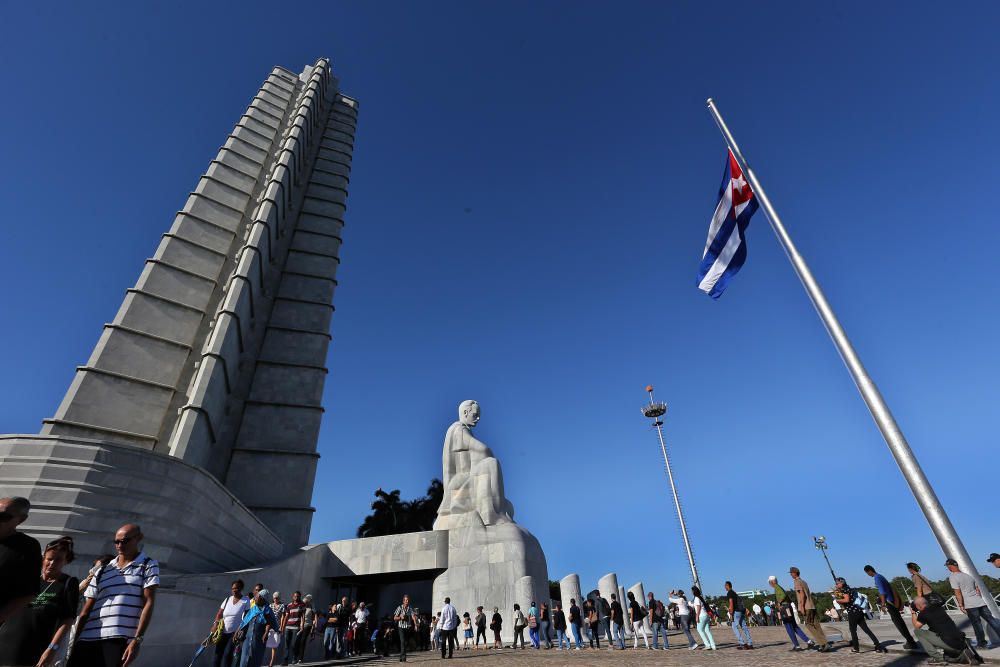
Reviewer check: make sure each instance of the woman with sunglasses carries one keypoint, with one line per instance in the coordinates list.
(35, 635)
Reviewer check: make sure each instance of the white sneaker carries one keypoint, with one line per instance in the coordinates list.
(693, 647)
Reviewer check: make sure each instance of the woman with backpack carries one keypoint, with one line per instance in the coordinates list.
(852, 601)
(924, 588)
(701, 612)
(636, 612)
(594, 621)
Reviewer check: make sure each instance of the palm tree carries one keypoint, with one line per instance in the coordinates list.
(392, 516)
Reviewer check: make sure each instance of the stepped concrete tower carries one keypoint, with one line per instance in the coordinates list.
(203, 393)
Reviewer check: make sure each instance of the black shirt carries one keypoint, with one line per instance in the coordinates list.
(545, 614)
(937, 619)
(480, 620)
(616, 613)
(636, 611)
(497, 621)
(21, 564)
(559, 619)
(26, 635)
(737, 602)
(574, 615)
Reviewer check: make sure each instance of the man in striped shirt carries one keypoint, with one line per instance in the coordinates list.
(118, 605)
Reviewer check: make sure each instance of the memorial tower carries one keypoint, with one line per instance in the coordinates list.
(203, 394)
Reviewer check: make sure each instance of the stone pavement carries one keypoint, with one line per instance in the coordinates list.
(772, 649)
(893, 641)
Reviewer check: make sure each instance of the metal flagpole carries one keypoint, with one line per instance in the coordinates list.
(938, 520)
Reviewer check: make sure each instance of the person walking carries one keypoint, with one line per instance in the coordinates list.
(405, 619)
(360, 627)
(274, 634)
(850, 600)
(738, 612)
(480, 627)
(575, 621)
(593, 621)
(20, 559)
(892, 601)
(229, 616)
(307, 629)
(118, 606)
(533, 625)
(658, 621)
(807, 608)
(559, 623)
(520, 623)
(35, 634)
(683, 615)
(636, 613)
(330, 632)
(701, 612)
(972, 603)
(251, 636)
(289, 625)
(618, 622)
(786, 614)
(604, 611)
(496, 625)
(545, 624)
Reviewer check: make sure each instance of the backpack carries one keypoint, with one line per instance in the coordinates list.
(861, 601)
(661, 613)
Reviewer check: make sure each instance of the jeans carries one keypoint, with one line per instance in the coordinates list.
(606, 629)
(618, 632)
(546, 637)
(637, 631)
(575, 629)
(404, 634)
(900, 624)
(792, 628)
(683, 620)
(658, 627)
(595, 635)
(976, 616)
(289, 641)
(740, 622)
(301, 639)
(856, 619)
(705, 631)
(223, 650)
(560, 638)
(329, 642)
(533, 636)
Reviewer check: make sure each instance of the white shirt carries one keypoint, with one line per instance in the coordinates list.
(232, 613)
(361, 615)
(449, 617)
(682, 606)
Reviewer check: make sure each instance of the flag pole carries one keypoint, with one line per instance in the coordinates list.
(921, 487)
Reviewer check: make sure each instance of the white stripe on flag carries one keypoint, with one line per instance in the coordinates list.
(721, 262)
(721, 211)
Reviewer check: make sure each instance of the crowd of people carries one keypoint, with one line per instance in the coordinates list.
(41, 614)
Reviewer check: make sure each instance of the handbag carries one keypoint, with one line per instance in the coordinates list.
(532, 622)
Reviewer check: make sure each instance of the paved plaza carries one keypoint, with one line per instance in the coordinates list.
(772, 648)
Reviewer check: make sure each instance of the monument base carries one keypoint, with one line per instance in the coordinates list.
(493, 566)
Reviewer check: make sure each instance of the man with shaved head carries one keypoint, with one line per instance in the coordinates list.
(20, 559)
(118, 605)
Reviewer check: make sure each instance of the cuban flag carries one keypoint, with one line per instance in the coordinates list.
(726, 247)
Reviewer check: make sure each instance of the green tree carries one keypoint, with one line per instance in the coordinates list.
(392, 516)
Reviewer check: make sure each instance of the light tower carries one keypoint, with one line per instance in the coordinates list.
(655, 411)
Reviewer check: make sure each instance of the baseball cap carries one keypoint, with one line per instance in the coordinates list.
(993, 557)
(951, 561)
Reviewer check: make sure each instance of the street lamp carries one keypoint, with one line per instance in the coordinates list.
(820, 543)
(654, 411)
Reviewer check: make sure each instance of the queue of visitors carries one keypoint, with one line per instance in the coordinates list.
(41, 614)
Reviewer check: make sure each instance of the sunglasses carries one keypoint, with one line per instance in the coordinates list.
(124, 540)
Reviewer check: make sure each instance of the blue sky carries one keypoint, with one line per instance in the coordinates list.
(531, 190)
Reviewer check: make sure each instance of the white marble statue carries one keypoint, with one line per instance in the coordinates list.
(473, 483)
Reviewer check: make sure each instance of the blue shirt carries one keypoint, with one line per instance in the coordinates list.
(884, 588)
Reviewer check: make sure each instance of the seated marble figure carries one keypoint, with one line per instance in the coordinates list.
(473, 482)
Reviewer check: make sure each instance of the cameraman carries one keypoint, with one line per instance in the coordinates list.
(937, 633)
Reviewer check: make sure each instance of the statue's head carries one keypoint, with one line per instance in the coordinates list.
(468, 413)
